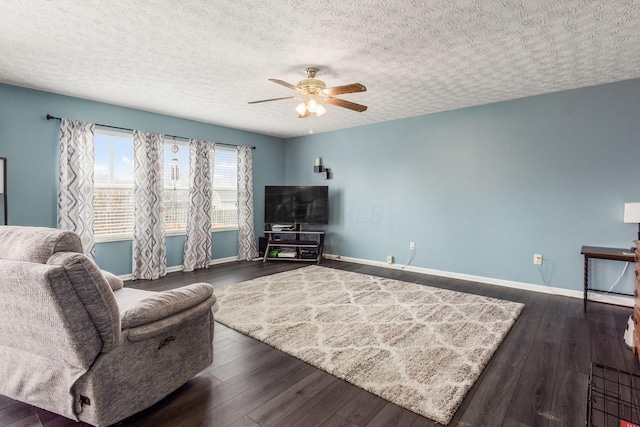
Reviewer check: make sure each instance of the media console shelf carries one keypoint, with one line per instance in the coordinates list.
(306, 249)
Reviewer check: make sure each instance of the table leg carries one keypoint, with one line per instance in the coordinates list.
(266, 253)
(586, 281)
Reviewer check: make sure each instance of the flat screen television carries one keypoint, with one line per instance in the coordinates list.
(296, 204)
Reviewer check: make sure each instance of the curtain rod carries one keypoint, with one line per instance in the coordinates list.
(50, 117)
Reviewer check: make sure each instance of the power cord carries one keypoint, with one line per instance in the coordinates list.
(544, 280)
(599, 294)
(412, 254)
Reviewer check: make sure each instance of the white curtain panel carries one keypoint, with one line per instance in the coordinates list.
(75, 181)
(197, 245)
(246, 234)
(149, 245)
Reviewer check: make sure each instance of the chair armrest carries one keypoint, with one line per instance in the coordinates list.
(169, 324)
(161, 305)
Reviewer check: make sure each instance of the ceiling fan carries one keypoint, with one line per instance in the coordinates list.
(314, 92)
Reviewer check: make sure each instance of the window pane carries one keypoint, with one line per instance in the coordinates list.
(176, 185)
(113, 178)
(224, 209)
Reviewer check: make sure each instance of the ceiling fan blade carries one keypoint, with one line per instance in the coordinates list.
(269, 100)
(338, 90)
(306, 114)
(346, 104)
(283, 83)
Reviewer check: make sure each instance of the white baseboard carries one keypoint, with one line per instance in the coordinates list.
(223, 260)
(593, 296)
(176, 268)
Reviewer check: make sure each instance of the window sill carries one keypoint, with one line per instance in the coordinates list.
(227, 228)
(115, 238)
(122, 238)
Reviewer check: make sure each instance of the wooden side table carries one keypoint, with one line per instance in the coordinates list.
(612, 254)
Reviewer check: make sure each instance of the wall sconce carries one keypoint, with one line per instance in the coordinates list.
(318, 168)
(3, 186)
(632, 214)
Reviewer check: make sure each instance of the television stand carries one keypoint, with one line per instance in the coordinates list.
(293, 246)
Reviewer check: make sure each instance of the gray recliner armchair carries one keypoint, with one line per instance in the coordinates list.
(76, 342)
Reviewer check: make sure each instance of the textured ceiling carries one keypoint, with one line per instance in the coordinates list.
(204, 60)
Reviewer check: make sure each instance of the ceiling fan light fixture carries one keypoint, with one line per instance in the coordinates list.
(312, 105)
(313, 93)
(301, 108)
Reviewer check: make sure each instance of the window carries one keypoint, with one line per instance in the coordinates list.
(113, 182)
(224, 209)
(113, 179)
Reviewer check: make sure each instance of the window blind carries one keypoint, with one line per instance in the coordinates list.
(113, 180)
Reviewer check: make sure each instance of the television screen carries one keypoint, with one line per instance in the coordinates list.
(296, 204)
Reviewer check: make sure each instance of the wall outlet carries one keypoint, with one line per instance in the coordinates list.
(389, 259)
(412, 245)
(537, 259)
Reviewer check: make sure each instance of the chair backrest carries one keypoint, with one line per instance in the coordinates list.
(73, 288)
(36, 244)
(42, 318)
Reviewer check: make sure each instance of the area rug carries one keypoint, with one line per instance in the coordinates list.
(417, 346)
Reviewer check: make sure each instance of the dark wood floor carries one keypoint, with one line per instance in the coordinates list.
(538, 376)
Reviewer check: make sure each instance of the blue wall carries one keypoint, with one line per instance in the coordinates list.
(480, 190)
(30, 144)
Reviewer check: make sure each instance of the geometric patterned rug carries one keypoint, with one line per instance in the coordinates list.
(419, 347)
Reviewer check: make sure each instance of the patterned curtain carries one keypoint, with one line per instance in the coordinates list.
(197, 246)
(75, 181)
(149, 245)
(246, 234)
